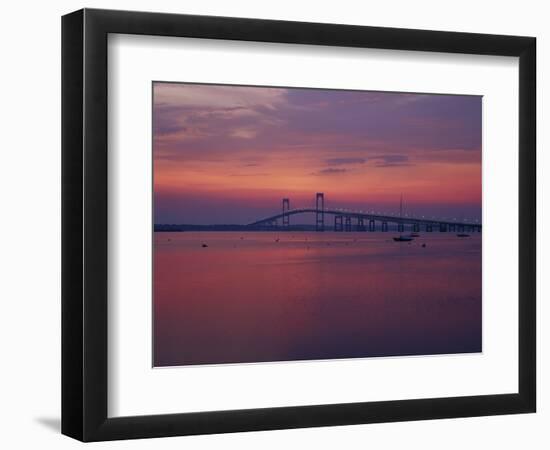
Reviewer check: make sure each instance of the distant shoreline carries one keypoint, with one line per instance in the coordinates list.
(230, 227)
(171, 228)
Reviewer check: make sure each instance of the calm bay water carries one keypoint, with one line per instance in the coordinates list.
(268, 296)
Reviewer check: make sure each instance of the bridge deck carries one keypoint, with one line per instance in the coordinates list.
(368, 216)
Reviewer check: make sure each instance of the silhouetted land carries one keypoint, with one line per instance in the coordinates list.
(230, 227)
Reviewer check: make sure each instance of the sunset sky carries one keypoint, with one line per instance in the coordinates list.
(229, 154)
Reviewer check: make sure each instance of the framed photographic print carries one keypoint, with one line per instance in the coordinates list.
(273, 224)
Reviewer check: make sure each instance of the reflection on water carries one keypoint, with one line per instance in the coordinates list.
(266, 296)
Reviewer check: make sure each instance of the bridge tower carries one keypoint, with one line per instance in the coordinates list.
(384, 226)
(360, 224)
(416, 227)
(319, 212)
(372, 225)
(286, 216)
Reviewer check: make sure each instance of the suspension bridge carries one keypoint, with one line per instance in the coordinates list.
(352, 220)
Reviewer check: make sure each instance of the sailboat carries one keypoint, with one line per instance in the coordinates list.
(402, 238)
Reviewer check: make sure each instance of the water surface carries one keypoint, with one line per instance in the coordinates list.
(268, 296)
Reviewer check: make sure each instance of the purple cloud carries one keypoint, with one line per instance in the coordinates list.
(330, 171)
(344, 161)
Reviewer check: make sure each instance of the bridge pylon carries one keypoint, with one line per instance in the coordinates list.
(286, 216)
(319, 212)
(347, 223)
(338, 225)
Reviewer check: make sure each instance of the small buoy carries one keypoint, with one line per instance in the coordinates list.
(277, 240)
(204, 245)
(423, 245)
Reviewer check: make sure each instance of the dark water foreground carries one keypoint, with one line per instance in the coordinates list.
(247, 297)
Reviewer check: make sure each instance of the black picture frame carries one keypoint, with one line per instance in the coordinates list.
(84, 224)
